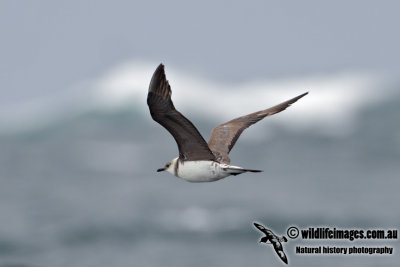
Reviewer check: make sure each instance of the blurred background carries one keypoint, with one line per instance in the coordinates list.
(79, 150)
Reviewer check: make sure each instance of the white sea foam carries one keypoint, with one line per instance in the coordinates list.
(332, 105)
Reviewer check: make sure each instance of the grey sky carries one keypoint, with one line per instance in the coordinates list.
(48, 46)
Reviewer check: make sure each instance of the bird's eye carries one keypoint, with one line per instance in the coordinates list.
(167, 165)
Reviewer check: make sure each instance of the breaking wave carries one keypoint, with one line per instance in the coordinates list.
(332, 106)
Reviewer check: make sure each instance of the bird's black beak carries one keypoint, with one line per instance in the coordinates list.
(161, 169)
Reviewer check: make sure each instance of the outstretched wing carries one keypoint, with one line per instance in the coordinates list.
(279, 250)
(261, 228)
(191, 144)
(224, 136)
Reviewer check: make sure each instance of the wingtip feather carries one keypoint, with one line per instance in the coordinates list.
(161, 66)
(293, 100)
(300, 96)
(159, 83)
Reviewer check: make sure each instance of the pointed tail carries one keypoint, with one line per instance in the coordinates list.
(251, 170)
(234, 170)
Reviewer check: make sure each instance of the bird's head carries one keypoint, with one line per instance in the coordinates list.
(170, 166)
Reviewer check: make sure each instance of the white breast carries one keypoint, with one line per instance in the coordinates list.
(201, 171)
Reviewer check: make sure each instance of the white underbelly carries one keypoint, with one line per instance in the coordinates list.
(201, 171)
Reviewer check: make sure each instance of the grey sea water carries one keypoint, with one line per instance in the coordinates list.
(84, 192)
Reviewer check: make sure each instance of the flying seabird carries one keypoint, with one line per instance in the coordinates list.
(273, 240)
(199, 161)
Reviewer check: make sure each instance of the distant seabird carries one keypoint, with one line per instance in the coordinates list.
(199, 161)
(273, 240)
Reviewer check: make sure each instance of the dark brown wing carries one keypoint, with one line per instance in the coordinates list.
(191, 144)
(224, 136)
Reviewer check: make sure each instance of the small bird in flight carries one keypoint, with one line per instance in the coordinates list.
(199, 161)
(273, 240)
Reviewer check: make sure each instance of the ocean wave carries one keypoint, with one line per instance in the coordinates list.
(332, 105)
